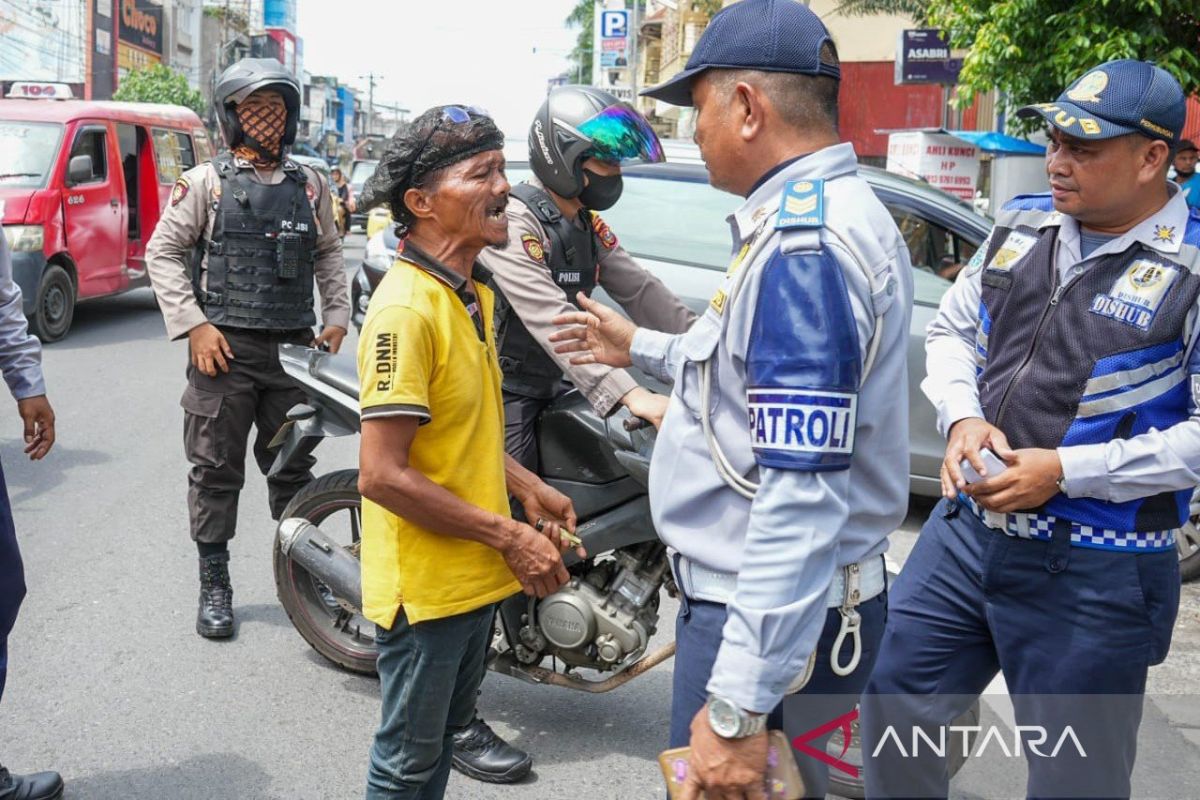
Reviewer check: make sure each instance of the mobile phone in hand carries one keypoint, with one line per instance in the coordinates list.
(990, 460)
(783, 781)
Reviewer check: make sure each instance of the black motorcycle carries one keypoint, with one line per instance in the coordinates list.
(600, 622)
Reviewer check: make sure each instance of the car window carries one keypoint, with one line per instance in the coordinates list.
(174, 153)
(673, 220)
(937, 254)
(92, 142)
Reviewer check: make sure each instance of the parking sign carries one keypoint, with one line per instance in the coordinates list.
(614, 24)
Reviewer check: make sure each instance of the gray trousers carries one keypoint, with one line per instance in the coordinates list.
(218, 413)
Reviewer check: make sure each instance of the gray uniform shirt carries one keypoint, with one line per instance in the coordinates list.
(20, 351)
(535, 297)
(804, 522)
(188, 218)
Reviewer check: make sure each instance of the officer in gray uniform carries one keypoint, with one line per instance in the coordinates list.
(782, 463)
(233, 260)
(1067, 348)
(559, 246)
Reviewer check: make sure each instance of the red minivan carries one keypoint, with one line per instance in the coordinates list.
(81, 188)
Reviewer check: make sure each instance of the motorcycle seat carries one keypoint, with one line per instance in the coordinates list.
(339, 370)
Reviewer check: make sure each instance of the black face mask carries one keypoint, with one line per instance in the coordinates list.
(602, 191)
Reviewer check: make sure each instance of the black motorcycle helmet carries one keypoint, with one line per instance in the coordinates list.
(580, 122)
(242, 79)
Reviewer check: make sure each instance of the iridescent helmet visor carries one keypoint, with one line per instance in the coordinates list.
(621, 135)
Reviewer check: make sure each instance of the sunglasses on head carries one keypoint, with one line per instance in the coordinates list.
(457, 115)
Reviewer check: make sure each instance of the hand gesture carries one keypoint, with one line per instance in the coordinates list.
(553, 514)
(209, 349)
(39, 426)
(332, 336)
(646, 404)
(1029, 480)
(534, 561)
(967, 437)
(599, 336)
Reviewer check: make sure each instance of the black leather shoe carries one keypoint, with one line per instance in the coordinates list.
(480, 754)
(214, 618)
(39, 786)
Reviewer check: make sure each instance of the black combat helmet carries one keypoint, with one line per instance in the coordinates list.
(242, 79)
(579, 122)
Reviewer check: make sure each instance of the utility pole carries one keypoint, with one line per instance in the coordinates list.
(370, 102)
(633, 52)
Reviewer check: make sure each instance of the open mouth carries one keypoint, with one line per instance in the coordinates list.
(495, 209)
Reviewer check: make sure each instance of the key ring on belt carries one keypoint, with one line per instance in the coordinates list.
(851, 624)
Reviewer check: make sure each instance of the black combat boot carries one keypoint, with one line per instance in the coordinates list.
(39, 786)
(214, 618)
(480, 754)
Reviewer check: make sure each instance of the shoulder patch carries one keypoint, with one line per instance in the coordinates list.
(603, 232)
(802, 206)
(533, 248)
(1030, 202)
(179, 191)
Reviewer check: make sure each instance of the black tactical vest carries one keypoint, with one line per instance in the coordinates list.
(572, 259)
(262, 251)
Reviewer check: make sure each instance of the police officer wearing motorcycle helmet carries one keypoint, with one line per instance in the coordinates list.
(559, 246)
(782, 463)
(233, 260)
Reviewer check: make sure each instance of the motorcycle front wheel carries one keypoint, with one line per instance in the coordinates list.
(335, 630)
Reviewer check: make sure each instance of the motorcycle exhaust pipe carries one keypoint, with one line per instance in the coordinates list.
(323, 558)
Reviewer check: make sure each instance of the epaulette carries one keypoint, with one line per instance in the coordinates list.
(1030, 202)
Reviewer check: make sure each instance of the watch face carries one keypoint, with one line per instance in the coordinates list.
(724, 718)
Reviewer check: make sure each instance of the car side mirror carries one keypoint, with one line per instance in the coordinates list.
(79, 169)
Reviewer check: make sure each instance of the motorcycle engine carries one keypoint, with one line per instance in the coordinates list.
(604, 617)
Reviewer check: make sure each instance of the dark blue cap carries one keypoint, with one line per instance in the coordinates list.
(764, 35)
(1117, 98)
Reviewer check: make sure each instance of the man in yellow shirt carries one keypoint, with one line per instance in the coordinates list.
(439, 547)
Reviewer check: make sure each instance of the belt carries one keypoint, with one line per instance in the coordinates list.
(1039, 527)
(851, 586)
(698, 582)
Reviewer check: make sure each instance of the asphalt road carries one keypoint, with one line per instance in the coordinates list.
(109, 683)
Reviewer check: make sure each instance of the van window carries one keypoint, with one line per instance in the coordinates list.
(27, 152)
(93, 142)
(174, 154)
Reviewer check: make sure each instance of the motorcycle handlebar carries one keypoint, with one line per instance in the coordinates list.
(632, 424)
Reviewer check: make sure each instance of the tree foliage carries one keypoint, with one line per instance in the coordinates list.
(582, 16)
(1032, 49)
(159, 83)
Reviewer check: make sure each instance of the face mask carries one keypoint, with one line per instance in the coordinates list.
(263, 127)
(602, 191)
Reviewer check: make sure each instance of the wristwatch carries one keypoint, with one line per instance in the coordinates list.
(1062, 483)
(729, 721)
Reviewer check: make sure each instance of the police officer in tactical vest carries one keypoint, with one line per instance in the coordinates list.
(559, 246)
(1064, 370)
(233, 260)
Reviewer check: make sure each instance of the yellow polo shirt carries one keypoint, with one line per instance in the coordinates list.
(420, 354)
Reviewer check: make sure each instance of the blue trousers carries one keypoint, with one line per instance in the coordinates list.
(12, 577)
(429, 676)
(1059, 621)
(826, 696)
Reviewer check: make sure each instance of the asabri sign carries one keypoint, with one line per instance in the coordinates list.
(923, 56)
